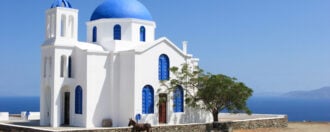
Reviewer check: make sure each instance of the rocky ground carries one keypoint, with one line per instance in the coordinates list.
(295, 127)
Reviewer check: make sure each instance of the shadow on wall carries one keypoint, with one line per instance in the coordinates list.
(102, 108)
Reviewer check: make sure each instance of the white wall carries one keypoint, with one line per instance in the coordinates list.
(4, 116)
(126, 85)
(146, 73)
(130, 29)
(79, 64)
(46, 77)
(98, 90)
(61, 85)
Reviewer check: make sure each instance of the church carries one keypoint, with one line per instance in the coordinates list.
(115, 74)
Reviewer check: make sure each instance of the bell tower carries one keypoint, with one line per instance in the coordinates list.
(62, 21)
(60, 38)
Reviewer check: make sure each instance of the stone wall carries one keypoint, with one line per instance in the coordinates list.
(267, 123)
(208, 127)
(10, 128)
(280, 122)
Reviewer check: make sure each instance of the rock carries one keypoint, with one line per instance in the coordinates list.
(107, 123)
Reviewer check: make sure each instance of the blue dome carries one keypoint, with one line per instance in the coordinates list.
(61, 3)
(121, 9)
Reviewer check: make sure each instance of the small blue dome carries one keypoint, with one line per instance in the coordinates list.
(61, 3)
(121, 9)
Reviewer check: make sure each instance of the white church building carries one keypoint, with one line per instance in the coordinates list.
(115, 75)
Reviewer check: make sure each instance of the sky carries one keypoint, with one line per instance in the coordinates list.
(273, 46)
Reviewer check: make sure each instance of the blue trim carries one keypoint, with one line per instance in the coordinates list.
(61, 3)
(70, 67)
(117, 32)
(78, 100)
(147, 100)
(142, 34)
(94, 34)
(178, 99)
(164, 67)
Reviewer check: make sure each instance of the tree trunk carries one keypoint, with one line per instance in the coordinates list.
(215, 115)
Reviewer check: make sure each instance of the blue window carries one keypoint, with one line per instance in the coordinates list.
(147, 100)
(78, 100)
(164, 67)
(142, 34)
(178, 99)
(94, 34)
(117, 32)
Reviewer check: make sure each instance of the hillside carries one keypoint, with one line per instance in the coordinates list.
(316, 94)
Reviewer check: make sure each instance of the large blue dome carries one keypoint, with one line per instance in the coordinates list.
(121, 9)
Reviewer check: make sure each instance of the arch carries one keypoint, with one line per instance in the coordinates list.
(63, 65)
(70, 67)
(178, 99)
(45, 67)
(94, 34)
(47, 101)
(48, 27)
(63, 25)
(164, 67)
(50, 67)
(117, 32)
(142, 34)
(148, 100)
(52, 26)
(78, 100)
(71, 26)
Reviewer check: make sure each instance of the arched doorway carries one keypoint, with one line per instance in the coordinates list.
(66, 108)
(65, 105)
(48, 103)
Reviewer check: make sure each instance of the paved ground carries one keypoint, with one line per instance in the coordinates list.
(296, 127)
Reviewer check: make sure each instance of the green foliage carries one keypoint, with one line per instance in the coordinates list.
(187, 77)
(221, 92)
(213, 93)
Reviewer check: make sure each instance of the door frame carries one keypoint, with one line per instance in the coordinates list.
(160, 110)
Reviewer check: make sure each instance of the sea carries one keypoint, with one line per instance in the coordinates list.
(297, 109)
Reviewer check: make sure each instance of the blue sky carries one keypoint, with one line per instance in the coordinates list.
(273, 46)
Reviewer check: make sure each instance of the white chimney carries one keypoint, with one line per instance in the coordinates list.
(184, 47)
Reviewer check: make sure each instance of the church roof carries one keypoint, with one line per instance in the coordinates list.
(61, 3)
(121, 9)
(143, 48)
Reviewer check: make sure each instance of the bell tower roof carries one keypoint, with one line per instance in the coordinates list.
(61, 3)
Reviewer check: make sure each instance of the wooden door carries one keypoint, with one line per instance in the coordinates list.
(162, 108)
(66, 108)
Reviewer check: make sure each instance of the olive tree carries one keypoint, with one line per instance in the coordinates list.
(210, 92)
